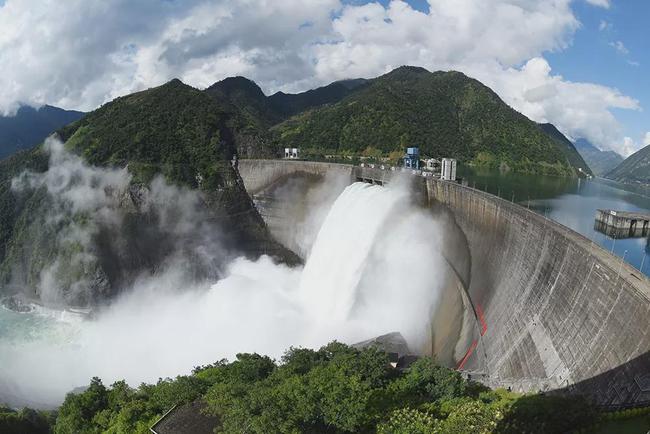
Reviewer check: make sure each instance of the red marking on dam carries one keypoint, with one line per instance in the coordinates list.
(469, 352)
(481, 318)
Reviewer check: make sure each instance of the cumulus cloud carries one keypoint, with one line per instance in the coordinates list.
(580, 110)
(51, 56)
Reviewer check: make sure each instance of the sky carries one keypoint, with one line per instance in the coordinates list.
(579, 64)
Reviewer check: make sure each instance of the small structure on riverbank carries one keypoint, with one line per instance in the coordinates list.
(622, 224)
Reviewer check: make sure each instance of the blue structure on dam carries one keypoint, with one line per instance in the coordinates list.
(412, 158)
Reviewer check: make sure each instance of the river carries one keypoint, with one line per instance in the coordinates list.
(572, 202)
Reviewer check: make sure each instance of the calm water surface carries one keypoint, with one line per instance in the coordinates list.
(573, 203)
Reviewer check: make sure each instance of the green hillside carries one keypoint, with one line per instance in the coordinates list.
(174, 131)
(600, 162)
(566, 146)
(444, 113)
(635, 169)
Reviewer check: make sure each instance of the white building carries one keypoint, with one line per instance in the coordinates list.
(291, 153)
(431, 164)
(448, 169)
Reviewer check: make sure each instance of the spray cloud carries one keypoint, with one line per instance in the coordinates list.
(371, 270)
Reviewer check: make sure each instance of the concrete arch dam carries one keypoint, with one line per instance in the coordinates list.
(537, 306)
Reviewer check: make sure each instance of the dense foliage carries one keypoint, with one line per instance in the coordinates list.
(25, 421)
(336, 389)
(567, 147)
(444, 113)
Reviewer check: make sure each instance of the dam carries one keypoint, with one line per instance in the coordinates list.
(530, 304)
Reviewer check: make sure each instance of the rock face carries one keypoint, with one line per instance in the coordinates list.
(143, 184)
(390, 343)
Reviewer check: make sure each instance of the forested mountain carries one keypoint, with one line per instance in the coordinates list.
(635, 169)
(29, 126)
(444, 113)
(291, 104)
(247, 97)
(600, 162)
(154, 186)
(567, 147)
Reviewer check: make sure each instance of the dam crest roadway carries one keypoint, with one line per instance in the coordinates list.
(536, 306)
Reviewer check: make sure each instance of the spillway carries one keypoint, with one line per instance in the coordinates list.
(532, 305)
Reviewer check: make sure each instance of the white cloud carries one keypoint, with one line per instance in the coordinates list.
(620, 47)
(604, 25)
(106, 49)
(577, 109)
(600, 3)
(629, 146)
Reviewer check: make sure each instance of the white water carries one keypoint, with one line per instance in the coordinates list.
(372, 270)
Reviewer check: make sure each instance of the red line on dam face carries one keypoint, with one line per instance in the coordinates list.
(481, 318)
(469, 352)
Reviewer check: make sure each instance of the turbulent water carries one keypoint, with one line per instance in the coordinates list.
(373, 269)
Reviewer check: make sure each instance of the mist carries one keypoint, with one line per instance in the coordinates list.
(95, 231)
(374, 266)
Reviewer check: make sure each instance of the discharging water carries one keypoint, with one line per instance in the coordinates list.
(375, 267)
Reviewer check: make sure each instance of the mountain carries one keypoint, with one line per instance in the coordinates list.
(444, 113)
(635, 169)
(247, 97)
(291, 104)
(567, 147)
(141, 185)
(29, 126)
(600, 162)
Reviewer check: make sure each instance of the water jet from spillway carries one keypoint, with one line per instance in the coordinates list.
(374, 268)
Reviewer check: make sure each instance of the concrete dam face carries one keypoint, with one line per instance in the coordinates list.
(528, 304)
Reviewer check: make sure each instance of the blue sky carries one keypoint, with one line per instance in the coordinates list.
(592, 58)
(579, 64)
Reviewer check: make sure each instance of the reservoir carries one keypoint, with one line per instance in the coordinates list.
(572, 202)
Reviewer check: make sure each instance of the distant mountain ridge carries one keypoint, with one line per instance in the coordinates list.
(635, 169)
(30, 126)
(601, 162)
